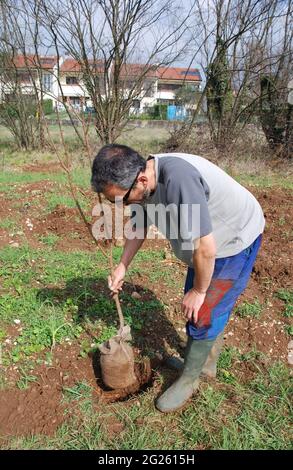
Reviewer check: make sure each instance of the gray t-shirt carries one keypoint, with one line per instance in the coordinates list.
(193, 198)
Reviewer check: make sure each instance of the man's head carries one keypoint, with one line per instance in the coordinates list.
(119, 171)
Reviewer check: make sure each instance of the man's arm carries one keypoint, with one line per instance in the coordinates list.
(130, 249)
(204, 262)
(186, 188)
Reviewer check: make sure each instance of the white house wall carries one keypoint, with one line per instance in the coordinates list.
(55, 84)
(73, 90)
(165, 95)
(147, 102)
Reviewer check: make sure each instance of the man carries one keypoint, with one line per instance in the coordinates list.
(219, 250)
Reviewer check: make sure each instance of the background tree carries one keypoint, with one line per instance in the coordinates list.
(236, 43)
(21, 75)
(187, 95)
(275, 108)
(105, 36)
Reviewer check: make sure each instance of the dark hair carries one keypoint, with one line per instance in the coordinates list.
(116, 164)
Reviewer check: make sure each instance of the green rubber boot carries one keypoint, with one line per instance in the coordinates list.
(210, 367)
(179, 393)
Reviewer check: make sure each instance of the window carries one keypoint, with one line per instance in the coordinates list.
(74, 101)
(24, 77)
(47, 82)
(149, 89)
(12, 98)
(168, 102)
(193, 86)
(168, 86)
(128, 85)
(71, 81)
(136, 104)
(47, 61)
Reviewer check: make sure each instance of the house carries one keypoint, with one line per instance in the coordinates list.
(63, 82)
(171, 79)
(30, 73)
(141, 79)
(160, 84)
(73, 89)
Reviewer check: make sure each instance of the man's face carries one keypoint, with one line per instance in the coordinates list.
(138, 194)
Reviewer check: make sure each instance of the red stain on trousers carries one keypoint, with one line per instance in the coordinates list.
(215, 293)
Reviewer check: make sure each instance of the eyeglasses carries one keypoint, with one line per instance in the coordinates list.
(126, 196)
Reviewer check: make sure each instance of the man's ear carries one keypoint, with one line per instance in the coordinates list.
(142, 179)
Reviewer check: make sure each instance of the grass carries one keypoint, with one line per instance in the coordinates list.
(40, 332)
(145, 141)
(49, 315)
(287, 297)
(18, 177)
(265, 181)
(249, 309)
(80, 391)
(10, 181)
(25, 379)
(59, 199)
(289, 330)
(51, 239)
(8, 224)
(253, 415)
(80, 176)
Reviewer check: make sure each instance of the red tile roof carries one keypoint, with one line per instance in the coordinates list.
(162, 73)
(32, 61)
(72, 65)
(127, 70)
(178, 73)
(132, 70)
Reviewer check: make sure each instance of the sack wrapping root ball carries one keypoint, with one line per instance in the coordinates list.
(117, 360)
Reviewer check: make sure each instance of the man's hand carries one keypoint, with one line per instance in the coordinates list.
(115, 282)
(192, 301)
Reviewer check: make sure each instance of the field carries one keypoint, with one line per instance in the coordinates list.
(55, 309)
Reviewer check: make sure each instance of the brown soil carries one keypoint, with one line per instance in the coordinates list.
(62, 221)
(273, 271)
(50, 167)
(66, 224)
(40, 408)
